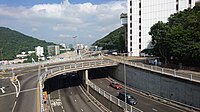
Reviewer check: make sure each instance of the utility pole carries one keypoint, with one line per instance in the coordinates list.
(75, 43)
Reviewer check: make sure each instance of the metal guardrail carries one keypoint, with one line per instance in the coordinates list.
(171, 72)
(23, 65)
(78, 66)
(113, 99)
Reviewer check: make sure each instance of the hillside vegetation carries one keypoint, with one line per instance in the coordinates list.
(112, 41)
(13, 42)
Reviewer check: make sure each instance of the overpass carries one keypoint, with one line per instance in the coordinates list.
(84, 66)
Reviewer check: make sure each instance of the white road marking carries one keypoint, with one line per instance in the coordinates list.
(82, 110)
(2, 90)
(75, 100)
(154, 109)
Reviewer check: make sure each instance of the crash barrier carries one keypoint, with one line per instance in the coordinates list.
(166, 71)
(124, 106)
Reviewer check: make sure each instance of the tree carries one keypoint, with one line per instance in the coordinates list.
(160, 40)
(179, 37)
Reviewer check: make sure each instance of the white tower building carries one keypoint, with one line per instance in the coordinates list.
(142, 14)
(39, 51)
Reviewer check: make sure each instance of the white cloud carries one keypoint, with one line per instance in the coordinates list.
(34, 29)
(53, 21)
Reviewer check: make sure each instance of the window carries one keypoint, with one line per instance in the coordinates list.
(130, 10)
(140, 34)
(140, 27)
(130, 17)
(139, 40)
(130, 43)
(177, 7)
(140, 46)
(140, 5)
(139, 20)
(140, 12)
(131, 25)
(190, 1)
(130, 31)
(131, 49)
(130, 37)
(130, 2)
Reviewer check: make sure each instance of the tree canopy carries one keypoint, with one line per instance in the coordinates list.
(178, 40)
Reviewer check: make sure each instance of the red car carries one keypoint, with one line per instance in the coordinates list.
(115, 85)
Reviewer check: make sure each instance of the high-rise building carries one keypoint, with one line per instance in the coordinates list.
(39, 51)
(142, 14)
(53, 50)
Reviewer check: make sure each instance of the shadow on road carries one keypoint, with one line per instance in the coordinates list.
(62, 81)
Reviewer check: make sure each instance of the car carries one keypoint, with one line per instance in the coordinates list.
(115, 85)
(129, 98)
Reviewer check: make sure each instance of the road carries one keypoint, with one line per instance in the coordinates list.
(7, 99)
(66, 95)
(145, 104)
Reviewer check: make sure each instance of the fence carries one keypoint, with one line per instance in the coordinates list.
(113, 99)
(171, 72)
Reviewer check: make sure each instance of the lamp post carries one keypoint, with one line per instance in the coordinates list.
(123, 18)
(75, 44)
(75, 50)
(125, 82)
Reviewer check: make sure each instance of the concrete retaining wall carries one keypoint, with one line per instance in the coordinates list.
(111, 106)
(172, 88)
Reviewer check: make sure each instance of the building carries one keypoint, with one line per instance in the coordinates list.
(63, 45)
(39, 51)
(53, 50)
(142, 14)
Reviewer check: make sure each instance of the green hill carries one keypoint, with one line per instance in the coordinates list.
(112, 41)
(13, 42)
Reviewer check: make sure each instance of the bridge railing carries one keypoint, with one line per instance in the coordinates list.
(77, 66)
(68, 67)
(113, 99)
(171, 72)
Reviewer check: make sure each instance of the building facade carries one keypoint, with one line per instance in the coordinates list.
(142, 14)
(53, 50)
(39, 51)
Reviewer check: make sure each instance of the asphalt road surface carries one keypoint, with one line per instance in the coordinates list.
(144, 103)
(66, 95)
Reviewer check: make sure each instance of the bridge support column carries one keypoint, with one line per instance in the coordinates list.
(85, 77)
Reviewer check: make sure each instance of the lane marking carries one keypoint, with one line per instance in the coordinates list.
(154, 109)
(82, 110)
(92, 100)
(14, 106)
(131, 90)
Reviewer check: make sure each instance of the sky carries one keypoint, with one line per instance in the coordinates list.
(59, 20)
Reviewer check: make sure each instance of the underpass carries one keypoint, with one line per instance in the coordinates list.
(155, 105)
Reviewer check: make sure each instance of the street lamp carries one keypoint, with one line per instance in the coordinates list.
(123, 18)
(75, 44)
(75, 50)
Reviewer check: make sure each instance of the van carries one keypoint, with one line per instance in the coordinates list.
(129, 98)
